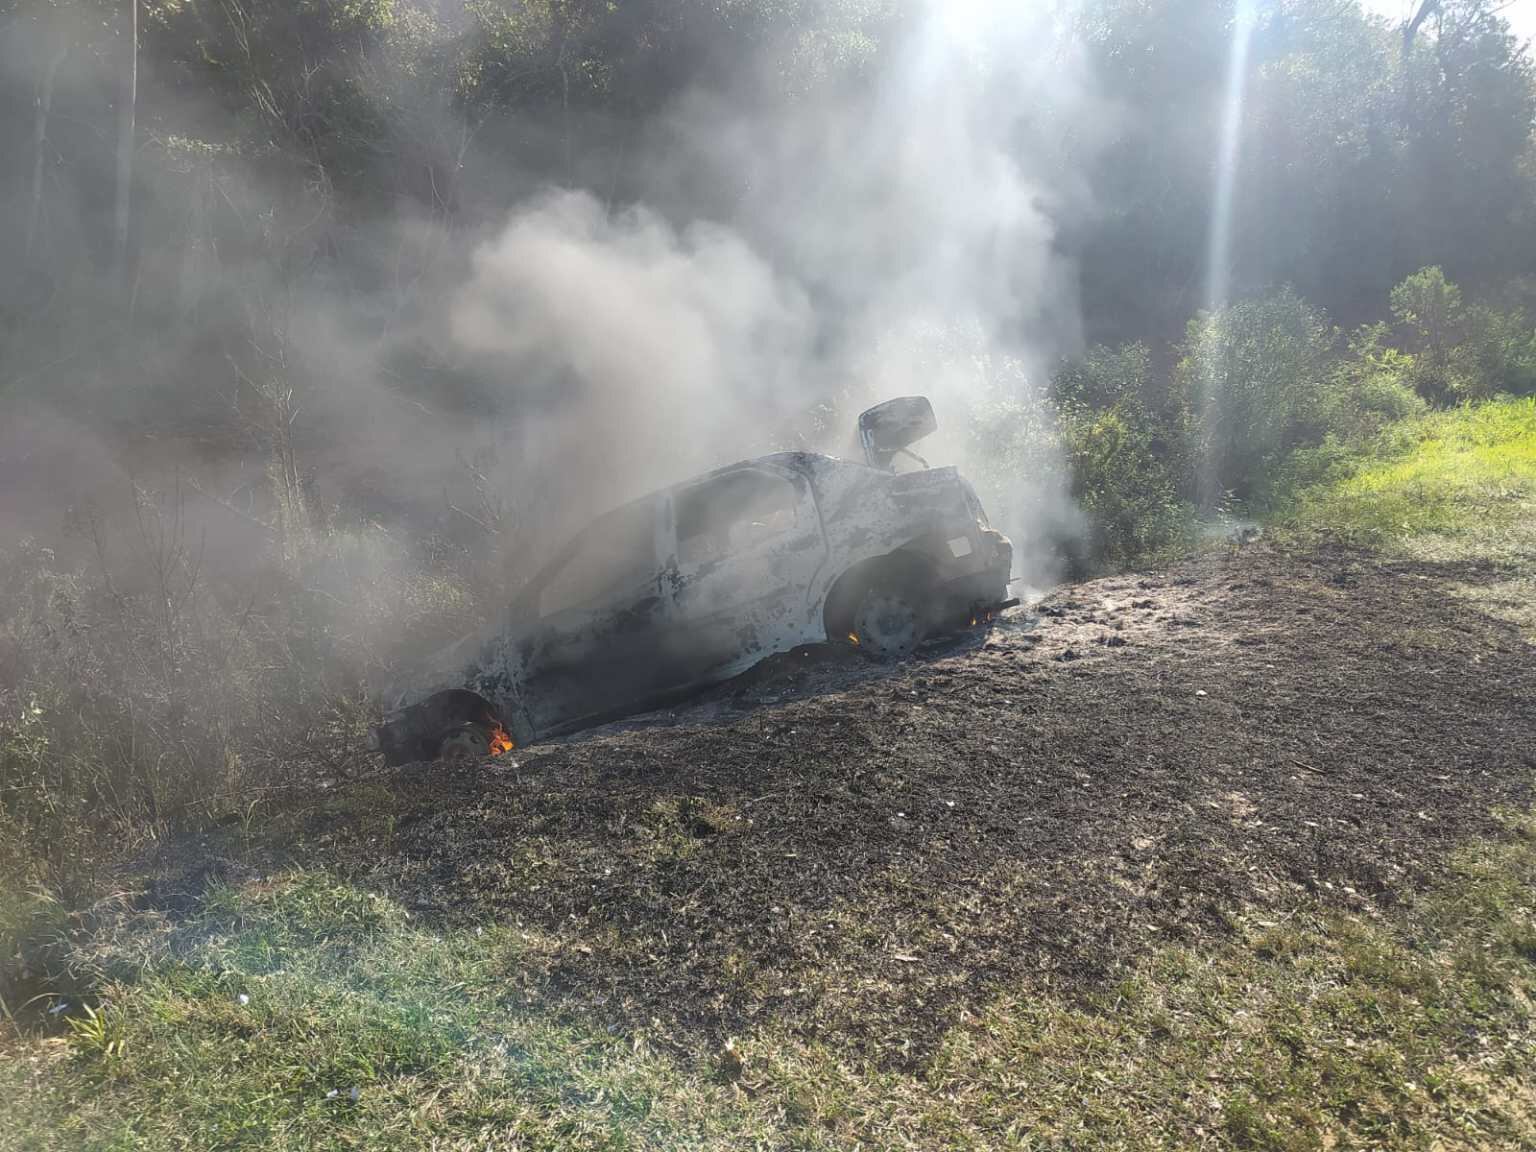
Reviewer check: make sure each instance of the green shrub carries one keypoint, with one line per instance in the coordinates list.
(1369, 388)
(1103, 377)
(1428, 310)
(1126, 463)
(1253, 379)
(1123, 484)
(1461, 352)
(1497, 355)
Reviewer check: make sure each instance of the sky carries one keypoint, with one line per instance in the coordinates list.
(1521, 14)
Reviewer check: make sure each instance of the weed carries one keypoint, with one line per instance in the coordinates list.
(100, 1033)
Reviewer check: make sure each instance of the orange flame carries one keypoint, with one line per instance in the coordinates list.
(501, 742)
(853, 638)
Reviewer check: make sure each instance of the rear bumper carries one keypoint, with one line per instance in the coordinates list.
(983, 587)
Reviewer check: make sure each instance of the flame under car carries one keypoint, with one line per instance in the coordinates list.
(695, 584)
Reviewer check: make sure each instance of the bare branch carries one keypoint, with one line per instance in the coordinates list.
(1411, 29)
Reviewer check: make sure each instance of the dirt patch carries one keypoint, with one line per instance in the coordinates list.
(865, 855)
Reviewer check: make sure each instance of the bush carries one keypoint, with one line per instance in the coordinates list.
(1369, 388)
(1012, 454)
(1252, 379)
(1428, 310)
(1122, 483)
(1104, 377)
(1126, 464)
(143, 696)
(1461, 352)
(1497, 355)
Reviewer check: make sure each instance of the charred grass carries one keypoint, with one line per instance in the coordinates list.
(1205, 858)
(881, 853)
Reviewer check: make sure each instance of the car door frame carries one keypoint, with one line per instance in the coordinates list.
(624, 632)
(701, 626)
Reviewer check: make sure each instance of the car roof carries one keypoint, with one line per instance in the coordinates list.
(796, 460)
(800, 461)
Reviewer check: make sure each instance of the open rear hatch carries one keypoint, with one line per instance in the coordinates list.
(888, 430)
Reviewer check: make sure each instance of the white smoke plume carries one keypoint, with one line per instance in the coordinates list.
(743, 276)
(898, 241)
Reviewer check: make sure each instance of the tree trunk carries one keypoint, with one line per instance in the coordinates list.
(43, 105)
(125, 145)
(1411, 29)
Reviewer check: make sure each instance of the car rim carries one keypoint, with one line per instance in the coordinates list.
(887, 625)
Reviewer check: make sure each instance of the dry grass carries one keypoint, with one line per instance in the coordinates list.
(304, 1013)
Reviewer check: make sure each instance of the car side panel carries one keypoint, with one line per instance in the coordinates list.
(731, 612)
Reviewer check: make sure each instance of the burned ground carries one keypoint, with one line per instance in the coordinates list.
(867, 854)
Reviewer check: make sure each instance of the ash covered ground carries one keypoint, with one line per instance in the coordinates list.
(864, 854)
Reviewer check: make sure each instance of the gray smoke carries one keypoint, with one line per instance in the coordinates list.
(895, 242)
(745, 275)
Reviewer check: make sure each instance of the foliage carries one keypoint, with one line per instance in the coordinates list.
(1126, 464)
(1370, 387)
(1012, 453)
(1498, 354)
(1429, 312)
(1123, 485)
(136, 701)
(1462, 351)
(1467, 472)
(1429, 309)
(1356, 165)
(1453, 488)
(1348, 146)
(1251, 379)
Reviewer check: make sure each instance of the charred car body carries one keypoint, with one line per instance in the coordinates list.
(695, 584)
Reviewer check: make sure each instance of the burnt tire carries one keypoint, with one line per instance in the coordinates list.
(465, 742)
(890, 621)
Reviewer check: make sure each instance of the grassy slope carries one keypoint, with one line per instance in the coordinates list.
(250, 1023)
(1451, 486)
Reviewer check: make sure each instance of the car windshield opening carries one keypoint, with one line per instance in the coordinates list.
(614, 557)
(732, 513)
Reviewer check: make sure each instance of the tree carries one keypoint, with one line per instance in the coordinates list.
(127, 111)
(1470, 100)
(1431, 323)
(1252, 379)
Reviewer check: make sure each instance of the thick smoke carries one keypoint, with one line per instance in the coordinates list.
(744, 275)
(899, 241)
(640, 352)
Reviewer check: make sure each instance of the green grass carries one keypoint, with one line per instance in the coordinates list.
(307, 1014)
(250, 1024)
(1466, 474)
(1449, 487)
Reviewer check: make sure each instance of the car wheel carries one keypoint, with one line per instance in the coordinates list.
(466, 742)
(889, 623)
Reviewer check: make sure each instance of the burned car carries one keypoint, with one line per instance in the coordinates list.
(695, 584)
